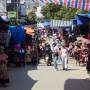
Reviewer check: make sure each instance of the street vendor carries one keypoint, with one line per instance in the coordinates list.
(4, 77)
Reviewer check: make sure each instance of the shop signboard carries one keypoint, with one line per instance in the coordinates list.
(12, 14)
(61, 23)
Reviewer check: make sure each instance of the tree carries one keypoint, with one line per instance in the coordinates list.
(31, 17)
(52, 11)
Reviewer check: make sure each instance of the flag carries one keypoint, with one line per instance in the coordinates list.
(56, 1)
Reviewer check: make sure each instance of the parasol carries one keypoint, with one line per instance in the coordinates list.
(32, 34)
(29, 31)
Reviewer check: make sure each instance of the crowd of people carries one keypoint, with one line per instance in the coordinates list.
(55, 54)
(59, 51)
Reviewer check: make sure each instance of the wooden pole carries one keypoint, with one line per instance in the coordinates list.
(17, 9)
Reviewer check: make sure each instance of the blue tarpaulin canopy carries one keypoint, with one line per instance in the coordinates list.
(85, 15)
(83, 19)
(74, 21)
(17, 33)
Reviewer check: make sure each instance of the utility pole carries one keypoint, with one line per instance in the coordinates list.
(17, 10)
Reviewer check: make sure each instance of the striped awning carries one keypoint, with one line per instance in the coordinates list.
(79, 4)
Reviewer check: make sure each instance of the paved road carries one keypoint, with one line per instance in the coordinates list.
(46, 78)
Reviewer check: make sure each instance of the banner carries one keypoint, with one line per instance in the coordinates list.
(2, 6)
(61, 23)
(8, 1)
(12, 14)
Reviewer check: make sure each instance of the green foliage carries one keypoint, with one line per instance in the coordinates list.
(31, 17)
(52, 11)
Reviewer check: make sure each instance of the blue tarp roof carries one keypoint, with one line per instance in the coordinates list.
(18, 34)
(74, 21)
(84, 15)
(83, 19)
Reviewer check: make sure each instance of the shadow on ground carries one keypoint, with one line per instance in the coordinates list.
(19, 79)
(77, 84)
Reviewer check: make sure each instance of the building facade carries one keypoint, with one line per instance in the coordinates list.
(2, 7)
(28, 4)
(12, 5)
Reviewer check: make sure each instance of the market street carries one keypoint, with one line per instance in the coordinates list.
(46, 78)
(44, 44)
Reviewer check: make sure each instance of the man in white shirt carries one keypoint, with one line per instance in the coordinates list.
(64, 56)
